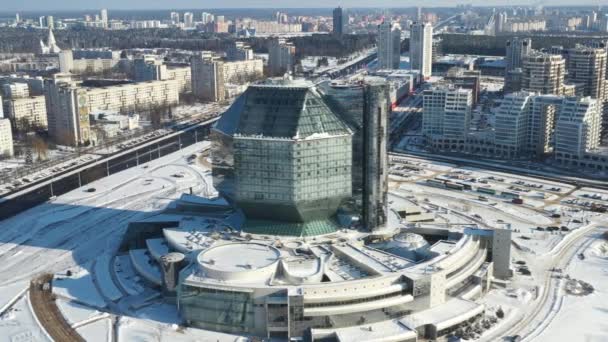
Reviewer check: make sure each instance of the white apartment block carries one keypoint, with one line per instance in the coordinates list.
(421, 48)
(511, 124)
(16, 90)
(69, 104)
(389, 45)
(578, 126)
(446, 116)
(239, 71)
(6, 138)
(30, 109)
(182, 76)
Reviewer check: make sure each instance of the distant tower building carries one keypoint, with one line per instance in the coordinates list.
(17, 18)
(419, 14)
(543, 73)
(421, 48)
(281, 57)
(206, 18)
(207, 76)
(188, 19)
(516, 49)
(149, 68)
(500, 21)
(104, 17)
(339, 21)
(175, 17)
(389, 45)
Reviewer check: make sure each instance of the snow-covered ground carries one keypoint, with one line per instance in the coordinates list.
(80, 226)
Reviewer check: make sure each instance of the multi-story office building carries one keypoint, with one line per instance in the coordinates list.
(340, 21)
(207, 78)
(26, 111)
(281, 57)
(516, 49)
(69, 104)
(446, 116)
(88, 60)
(6, 138)
(364, 106)
(587, 68)
(292, 155)
(421, 48)
(389, 45)
(543, 73)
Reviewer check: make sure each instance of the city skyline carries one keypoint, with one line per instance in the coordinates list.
(63, 5)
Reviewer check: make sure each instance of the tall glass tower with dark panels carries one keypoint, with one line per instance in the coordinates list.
(340, 21)
(283, 156)
(364, 106)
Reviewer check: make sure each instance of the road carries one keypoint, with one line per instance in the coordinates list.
(560, 260)
(563, 177)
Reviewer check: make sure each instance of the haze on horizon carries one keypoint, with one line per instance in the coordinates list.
(63, 5)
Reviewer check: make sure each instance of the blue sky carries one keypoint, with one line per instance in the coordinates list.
(27, 5)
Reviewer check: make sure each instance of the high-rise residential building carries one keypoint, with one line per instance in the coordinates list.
(207, 18)
(340, 21)
(239, 51)
(149, 68)
(511, 125)
(389, 45)
(446, 116)
(421, 48)
(587, 68)
(175, 17)
(281, 57)
(6, 138)
(543, 73)
(516, 49)
(104, 18)
(500, 22)
(207, 75)
(578, 126)
(282, 171)
(189, 19)
(27, 112)
(364, 106)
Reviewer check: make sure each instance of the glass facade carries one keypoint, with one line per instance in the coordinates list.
(217, 310)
